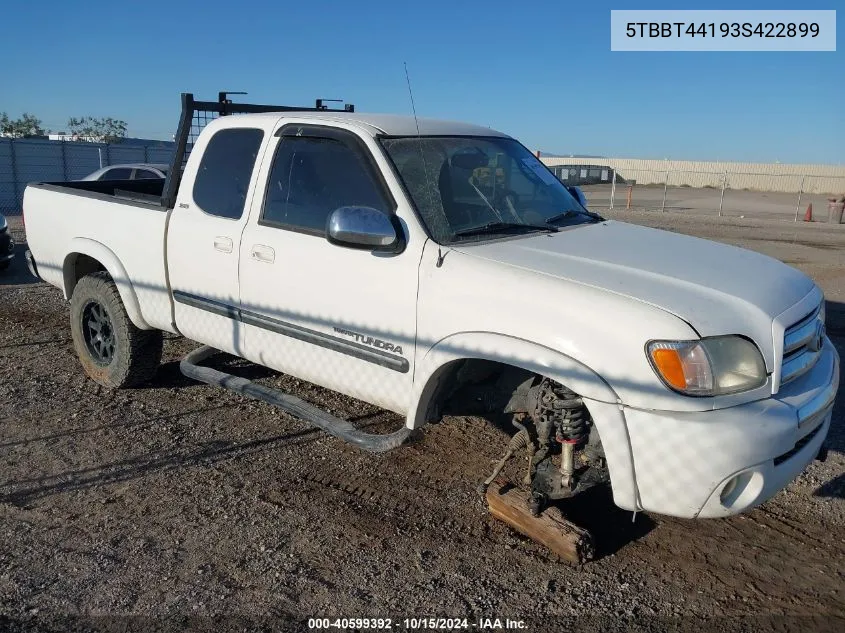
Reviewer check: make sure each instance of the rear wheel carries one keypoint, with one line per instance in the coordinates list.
(113, 352)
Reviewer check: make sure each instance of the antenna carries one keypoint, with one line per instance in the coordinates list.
(413, 108)
(440, 255)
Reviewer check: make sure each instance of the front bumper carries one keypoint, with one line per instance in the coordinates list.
(723, 462)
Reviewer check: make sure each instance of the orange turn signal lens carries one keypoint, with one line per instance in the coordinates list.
(668, 363)
(710, 366)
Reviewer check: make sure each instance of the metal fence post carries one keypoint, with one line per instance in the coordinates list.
(15, 183)
(612, 188)
(800, 191)
(64, 161)
(100, 156)
(665, 187)
(722, 196)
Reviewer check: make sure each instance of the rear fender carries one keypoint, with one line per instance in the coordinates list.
(106, 257)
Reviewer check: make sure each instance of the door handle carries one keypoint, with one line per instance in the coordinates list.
(223, 244)
(263, 253)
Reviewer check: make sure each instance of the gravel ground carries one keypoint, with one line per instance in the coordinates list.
(180, 506)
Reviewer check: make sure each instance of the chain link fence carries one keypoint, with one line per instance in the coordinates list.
(39, 160)
(731, 194)
(722, 194)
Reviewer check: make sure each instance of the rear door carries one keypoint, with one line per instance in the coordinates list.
(204, 235)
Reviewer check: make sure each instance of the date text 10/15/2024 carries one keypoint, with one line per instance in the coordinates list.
(417, 624)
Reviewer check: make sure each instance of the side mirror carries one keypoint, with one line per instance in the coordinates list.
(363, 228)
(577, 194)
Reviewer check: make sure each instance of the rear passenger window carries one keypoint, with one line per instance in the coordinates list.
(224, 172)
(313, 176)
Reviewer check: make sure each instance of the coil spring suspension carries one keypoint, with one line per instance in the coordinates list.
(559, 411)
(562, 409)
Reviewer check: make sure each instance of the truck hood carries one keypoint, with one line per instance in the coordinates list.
(716, 288)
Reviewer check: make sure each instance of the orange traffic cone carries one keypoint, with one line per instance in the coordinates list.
(808, 215)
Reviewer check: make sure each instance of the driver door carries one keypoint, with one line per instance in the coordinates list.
(338, 317)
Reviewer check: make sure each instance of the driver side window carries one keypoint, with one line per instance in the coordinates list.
(312, 176)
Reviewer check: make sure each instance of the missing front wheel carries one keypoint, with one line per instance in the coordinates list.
(560, 443)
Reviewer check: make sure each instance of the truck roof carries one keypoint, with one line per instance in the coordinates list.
(390, 124)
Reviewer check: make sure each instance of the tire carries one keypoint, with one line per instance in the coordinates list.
(113, 352)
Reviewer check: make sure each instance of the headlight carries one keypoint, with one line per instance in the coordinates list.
(708, 367)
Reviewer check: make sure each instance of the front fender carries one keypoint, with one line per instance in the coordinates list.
(110, 261)
(601, 400)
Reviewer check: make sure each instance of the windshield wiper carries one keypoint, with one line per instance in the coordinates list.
(569, 213)
(561, 216)
(497, 227)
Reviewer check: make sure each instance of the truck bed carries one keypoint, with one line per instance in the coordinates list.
(106, 221)
(146, 190)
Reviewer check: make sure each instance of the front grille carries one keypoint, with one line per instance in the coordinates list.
(798, 446)
(799, 342)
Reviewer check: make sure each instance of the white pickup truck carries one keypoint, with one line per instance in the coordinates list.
(432, 268)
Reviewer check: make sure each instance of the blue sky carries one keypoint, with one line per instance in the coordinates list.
(542, 71)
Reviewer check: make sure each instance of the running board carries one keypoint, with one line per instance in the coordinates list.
(291, 404)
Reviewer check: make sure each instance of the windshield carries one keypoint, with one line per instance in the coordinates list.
(471, 188)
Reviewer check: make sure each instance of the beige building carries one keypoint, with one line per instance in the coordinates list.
(784, 177)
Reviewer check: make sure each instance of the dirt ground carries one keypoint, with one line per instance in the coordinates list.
(179, 506)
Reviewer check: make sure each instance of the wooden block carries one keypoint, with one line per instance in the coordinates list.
(510, 505)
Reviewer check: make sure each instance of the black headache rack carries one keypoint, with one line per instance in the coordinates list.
(197, 114)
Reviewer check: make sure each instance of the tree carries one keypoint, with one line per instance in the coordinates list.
(27, 125)
(103, 129)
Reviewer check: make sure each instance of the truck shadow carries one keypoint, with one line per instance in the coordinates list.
(53, 341)
(138, 424)
(612, 527)
(835, 488)
(835, 318)
(24, 493)
(17, 274)
(169, 376)
(835, 322)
